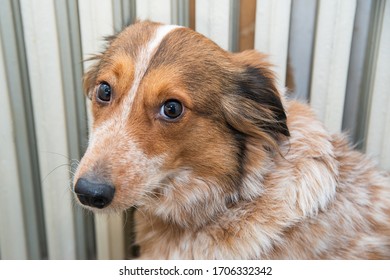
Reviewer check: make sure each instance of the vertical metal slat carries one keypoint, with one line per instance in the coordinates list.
(25, 138)
(76, 120)
(44, 68)
(155, 10)
(378, 119)
(213, 21)
(331, 60)
(180, 12)
(12, 221)
(300, 49)
(271, 34)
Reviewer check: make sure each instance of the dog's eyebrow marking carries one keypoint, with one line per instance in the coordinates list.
(143, 59)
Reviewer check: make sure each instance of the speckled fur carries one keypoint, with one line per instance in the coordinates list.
(228, 180)
(322, 200)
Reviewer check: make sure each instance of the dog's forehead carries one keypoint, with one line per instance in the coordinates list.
(156, 44)
(141, 39)
(144, 54)
(144, 50)
(135, 47)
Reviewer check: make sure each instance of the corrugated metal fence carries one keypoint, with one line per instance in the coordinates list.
(337, 50)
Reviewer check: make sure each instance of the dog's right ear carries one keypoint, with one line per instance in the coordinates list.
(89, 79)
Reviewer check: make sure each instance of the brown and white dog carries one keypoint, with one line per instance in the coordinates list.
(218, 163)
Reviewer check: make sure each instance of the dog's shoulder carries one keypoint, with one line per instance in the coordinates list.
(331, 181)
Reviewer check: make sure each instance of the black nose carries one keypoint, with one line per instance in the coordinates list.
(94, 194)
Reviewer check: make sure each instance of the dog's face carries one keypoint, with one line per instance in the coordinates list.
(172, 115)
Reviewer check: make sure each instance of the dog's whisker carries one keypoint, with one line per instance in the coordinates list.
(56, 168)
(58, 154)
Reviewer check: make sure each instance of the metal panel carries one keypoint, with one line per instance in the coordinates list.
(43, 112)
(367, 83)
(379, 115)
(76, 124)
(12, 225)
(180, 12)
(96, 23)
(155, 10)
(271, 34)
(24, 130)
(44, 67)
(234, 26)
(300, 49)
(353, 106)
(110, 237)
(331, 58)
(124, 13)
(213, 19)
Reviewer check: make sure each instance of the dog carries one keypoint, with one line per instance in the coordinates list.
(217, 161)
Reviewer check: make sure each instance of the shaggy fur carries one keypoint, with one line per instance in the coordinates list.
(244, 173)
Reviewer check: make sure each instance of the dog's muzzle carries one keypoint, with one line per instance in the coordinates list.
(93, 194)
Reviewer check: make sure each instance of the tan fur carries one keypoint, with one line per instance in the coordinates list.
(243, 174)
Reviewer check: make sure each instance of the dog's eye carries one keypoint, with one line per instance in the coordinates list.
(104, 92)
(171, 109)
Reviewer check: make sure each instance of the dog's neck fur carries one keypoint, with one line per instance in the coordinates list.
(281, 205)
(208, 200)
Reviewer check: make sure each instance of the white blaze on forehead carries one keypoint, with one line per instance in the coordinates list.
(143, 59)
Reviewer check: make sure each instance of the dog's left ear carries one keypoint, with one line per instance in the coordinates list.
(254, 107)
(89, 78)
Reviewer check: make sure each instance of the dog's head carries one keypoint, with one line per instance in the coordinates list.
(173, 114)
